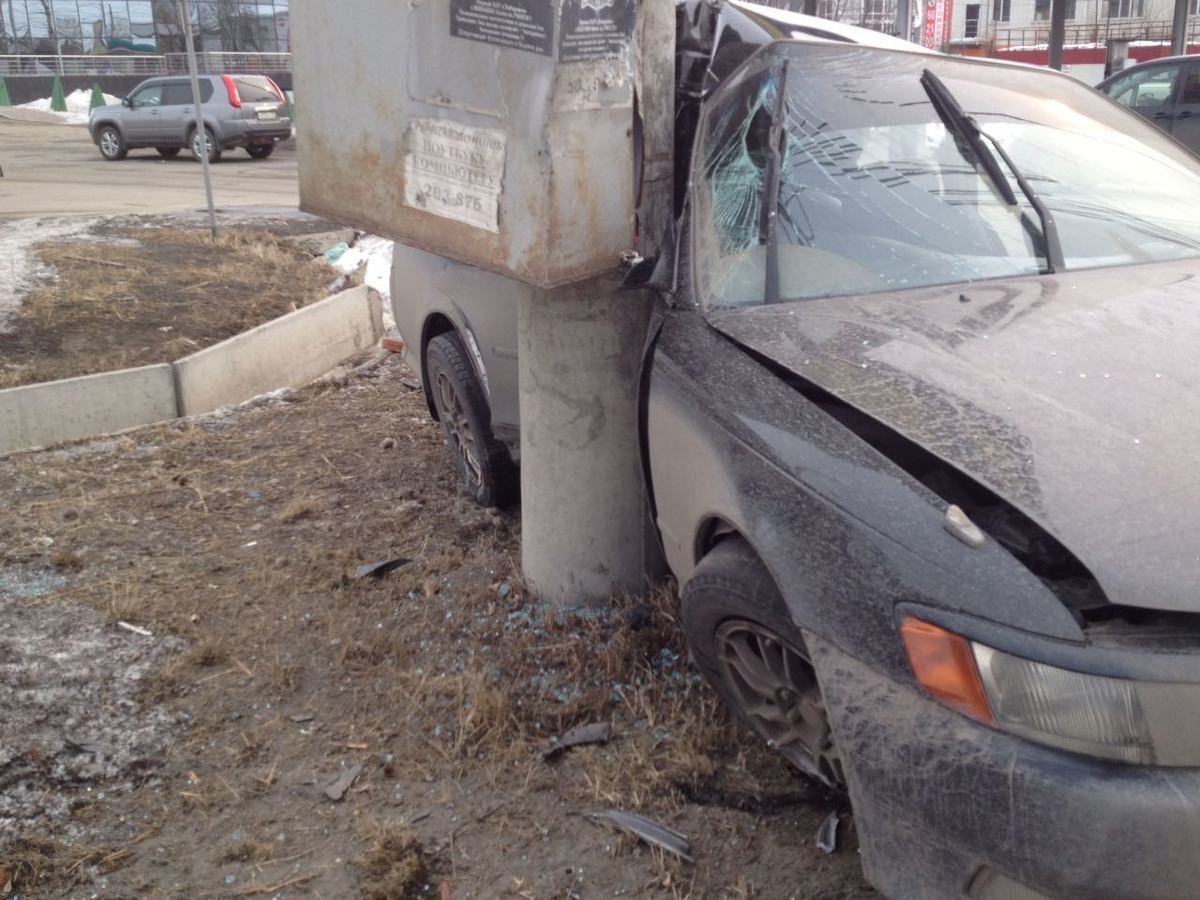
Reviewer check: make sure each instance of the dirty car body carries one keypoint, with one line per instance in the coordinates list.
(932, 362)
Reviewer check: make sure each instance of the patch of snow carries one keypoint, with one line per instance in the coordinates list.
(19, 266)
(79, 104)
(376, 252)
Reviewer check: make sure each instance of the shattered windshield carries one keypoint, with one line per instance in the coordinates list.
(875, 193)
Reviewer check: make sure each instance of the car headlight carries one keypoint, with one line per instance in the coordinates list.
(1089, 714)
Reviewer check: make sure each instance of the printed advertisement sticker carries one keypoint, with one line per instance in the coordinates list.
(455, 171)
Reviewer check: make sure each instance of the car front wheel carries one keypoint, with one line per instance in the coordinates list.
(750, 651)
(111, 144)
(483, 463)
(199, 143)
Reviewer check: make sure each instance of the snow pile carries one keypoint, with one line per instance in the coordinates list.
(376, 252)
(79, 103)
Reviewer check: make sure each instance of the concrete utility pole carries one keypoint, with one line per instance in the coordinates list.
(586, 530)
(1179, 28)
(1058, 32)
(185, 19)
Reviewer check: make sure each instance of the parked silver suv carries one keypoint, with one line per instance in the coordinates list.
(247, 111)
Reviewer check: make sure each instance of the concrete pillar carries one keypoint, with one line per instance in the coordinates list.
(586, 528)
(586, 531)
(1179, 27)
(1058, 32)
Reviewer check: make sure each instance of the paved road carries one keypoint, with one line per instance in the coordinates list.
(56, 170)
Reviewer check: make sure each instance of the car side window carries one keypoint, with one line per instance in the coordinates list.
(177, 93)
(1191, 87)
(148, 96)
(1146, 89)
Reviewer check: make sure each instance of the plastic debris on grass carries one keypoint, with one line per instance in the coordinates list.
(376, 252)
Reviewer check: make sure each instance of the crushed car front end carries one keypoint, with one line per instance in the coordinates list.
(948, 806)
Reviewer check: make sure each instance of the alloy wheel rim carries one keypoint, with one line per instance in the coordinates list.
(776, 688)
(455, 421)
(108, 143)
(196, 144)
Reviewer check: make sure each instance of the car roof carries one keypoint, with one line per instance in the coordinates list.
(798, 25)
(1145, 64)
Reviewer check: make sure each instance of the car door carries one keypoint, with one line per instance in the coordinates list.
(1186, 124)
(177, 111)
(1149, 91)
(143, 119)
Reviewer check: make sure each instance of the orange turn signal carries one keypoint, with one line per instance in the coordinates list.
(945, 668)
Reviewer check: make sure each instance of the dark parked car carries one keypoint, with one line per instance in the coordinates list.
(1165, 91)
(921, 412)
(248, 111)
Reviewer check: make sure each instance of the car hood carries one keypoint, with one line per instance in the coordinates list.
(1075, 397)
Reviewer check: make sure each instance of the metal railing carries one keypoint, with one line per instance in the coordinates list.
(142, 64)
(1037, 34)
(216, 62)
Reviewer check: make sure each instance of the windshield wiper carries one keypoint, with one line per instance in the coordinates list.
(1054, 250)
(770, 221)
(968, 130)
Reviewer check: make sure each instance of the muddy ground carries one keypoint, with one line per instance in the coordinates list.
(131, 291)
(192, 669)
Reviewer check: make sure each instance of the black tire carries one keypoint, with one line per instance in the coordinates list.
(214, 149)
(168, 152)
(260, 151)
(484, 465)
(733, 609)
(111, 143)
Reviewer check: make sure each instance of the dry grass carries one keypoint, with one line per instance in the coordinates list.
(300, 508)
(394, 864)
(248, 852)
(28, 859)
(174, 291)
(67, 560)
(127, 603)
(208, 651)
(444, 679)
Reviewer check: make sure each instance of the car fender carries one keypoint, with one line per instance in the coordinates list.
(847, 535)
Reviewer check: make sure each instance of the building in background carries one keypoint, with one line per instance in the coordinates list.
(878, 15)
(53, 28)
(1102, 36)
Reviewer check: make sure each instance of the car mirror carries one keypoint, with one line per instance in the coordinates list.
(126, 101)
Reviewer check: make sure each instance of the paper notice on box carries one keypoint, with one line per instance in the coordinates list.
(455, 171)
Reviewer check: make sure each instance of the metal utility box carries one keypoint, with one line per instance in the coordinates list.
(498, 133)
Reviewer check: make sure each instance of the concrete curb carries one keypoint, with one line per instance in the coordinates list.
(39, 414)
(286, 352)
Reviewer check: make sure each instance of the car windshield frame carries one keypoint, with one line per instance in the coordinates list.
(1095, 123)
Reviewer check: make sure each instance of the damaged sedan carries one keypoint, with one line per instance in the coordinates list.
(921, 415)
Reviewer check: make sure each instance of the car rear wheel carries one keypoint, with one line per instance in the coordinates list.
(214, 149)
(260, 151)
(111, 144)
(167, 152)
(483, 463)
(748, 649)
